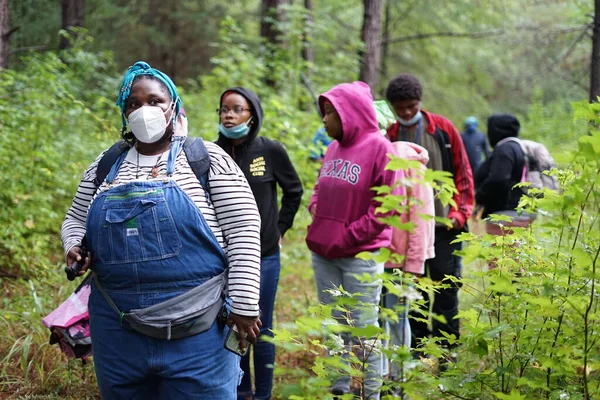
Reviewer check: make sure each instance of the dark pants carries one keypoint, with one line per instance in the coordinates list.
(445, 301)
(264, 352)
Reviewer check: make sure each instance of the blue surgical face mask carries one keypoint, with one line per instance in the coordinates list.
(236, 132)
(409, 122)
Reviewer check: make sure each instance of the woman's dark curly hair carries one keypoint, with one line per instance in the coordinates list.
(404, 87)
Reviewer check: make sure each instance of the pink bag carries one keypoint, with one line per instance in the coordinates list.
(69, 323)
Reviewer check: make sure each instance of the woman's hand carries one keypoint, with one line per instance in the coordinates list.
(248, 328)
(75, 255)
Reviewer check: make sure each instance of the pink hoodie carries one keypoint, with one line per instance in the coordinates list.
(346, 223)
(415, 245)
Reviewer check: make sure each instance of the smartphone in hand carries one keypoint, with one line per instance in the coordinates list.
(232, 342)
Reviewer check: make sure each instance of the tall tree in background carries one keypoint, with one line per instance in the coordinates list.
(163, 22)
(385, 38)
(72, 16)
(371, 31)
(271, 15)
(4, 33)
(595, 62)
(307, 50)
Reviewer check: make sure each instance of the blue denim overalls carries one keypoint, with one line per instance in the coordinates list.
(150, 243)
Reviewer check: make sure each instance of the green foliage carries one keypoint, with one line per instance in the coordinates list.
(514, 47)
(54, 118)
(523, 45)
(552, 123)
(52, 113)
(540, 306)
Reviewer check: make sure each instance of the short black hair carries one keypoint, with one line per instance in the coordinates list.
(404, 87)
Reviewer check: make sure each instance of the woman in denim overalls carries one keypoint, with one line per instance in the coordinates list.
(149, 242)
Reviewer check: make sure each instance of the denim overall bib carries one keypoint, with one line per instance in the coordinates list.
(150, 243)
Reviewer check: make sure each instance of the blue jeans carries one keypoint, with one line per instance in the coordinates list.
(264, 352)
(330, 274)
(130, 365)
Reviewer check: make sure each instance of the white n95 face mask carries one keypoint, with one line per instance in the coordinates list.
(148, 123)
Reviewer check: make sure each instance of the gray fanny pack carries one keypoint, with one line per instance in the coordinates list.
(185, 315)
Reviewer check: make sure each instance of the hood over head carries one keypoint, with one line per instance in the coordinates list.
(471, 121)
(257, 111)
(471, 124)
(411, 151)
(501, 126)
(354, 103)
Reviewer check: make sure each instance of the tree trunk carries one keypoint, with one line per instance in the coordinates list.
(152, 18)
(72, 16)
(595, 62)
(371, 31)
(386, 36)
(271, 15)
(171, 60)
(4, 34)
(307, 50)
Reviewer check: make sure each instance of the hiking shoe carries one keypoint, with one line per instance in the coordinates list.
(338, 392)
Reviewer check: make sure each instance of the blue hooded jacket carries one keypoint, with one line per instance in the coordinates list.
(475, 144)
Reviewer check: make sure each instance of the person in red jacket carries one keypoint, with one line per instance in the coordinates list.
(446, 151)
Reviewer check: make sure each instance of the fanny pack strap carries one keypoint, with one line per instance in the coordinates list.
(110, 302)
(166, 331)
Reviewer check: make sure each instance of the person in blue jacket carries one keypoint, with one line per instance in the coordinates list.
(319, 142)
(475, 143)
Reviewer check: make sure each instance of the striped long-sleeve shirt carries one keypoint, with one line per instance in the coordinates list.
(231, 214)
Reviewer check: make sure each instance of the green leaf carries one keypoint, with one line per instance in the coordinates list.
(368, 331)
(502, 284)
(514, 395)
(481, 348)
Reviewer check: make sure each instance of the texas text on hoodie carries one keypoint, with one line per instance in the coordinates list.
(416, 245)
(265, 164)
(345, 223)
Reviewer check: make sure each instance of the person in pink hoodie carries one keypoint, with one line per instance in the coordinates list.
(416, 244)
(345, 220)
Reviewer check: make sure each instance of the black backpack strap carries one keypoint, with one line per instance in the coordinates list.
(194, 149)
(107, 161)
(199, 160)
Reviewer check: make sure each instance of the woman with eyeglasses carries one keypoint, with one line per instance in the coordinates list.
(266, 165)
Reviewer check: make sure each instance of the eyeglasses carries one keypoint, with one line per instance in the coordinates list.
(236, 110)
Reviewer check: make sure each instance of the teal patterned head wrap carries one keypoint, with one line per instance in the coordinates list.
(143, 68)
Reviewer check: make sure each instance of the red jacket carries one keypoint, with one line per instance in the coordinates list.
(454, 160)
